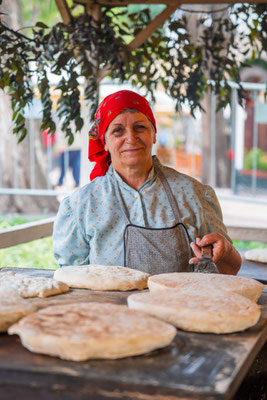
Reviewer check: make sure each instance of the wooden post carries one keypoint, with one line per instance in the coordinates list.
(94, 10)
(64, 11)
(86, 166)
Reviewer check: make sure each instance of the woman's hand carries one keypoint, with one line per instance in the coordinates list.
(225, 256)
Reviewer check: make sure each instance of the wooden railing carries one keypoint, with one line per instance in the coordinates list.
(26, 232)
(40, 229)
(247, 233)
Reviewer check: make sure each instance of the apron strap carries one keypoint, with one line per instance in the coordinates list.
(119, 196)
(171, 198)
(174, 207)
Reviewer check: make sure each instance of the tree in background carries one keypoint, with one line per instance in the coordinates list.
(18, 156)
(103, 42)
(33, 11)
(87, 46)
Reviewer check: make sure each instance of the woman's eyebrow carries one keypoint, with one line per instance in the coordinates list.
(135, 122)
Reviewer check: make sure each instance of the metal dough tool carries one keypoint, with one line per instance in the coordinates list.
(206, 264)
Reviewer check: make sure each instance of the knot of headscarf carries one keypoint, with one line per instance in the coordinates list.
(108, 109)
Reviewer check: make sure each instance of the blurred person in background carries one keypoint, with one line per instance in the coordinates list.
(69, 157)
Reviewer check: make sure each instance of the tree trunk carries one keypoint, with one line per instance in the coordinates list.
(223, 166)
(14, 158)
(219, 173)
(206, 136)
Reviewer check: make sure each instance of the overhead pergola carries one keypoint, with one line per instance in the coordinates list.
(93, 8)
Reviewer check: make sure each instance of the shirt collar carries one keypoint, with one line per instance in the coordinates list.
(150, 178)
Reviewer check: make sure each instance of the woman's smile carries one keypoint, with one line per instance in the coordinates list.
(132, 150)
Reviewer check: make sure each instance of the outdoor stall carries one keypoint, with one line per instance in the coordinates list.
(194, 366)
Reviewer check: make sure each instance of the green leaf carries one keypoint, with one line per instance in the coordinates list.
(85, 46)
(41, 25)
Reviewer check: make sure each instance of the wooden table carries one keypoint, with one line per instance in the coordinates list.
(194, 366)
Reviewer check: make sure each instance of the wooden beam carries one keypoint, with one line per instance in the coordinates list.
(64, 11)
(119, 3)
(152, 27)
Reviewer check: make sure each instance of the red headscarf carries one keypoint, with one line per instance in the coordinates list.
(108, 109)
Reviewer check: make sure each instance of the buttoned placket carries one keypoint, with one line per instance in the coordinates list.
(138, 206)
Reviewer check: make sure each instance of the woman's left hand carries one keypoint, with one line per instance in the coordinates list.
(220, 246)
(224, 255)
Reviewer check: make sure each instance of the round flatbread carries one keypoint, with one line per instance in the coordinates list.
(12, 308)
(29, 286)
(82, 331)
(102, 277)
(247, 287)
(259, 255)
(213, 311)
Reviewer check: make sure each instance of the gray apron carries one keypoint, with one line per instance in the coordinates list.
(156, 250)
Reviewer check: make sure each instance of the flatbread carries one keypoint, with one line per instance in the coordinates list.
(102, 277)
(82, 331)
(215, 311)
(12, 308)
(28, 286)
(247, 287)
(259, 255)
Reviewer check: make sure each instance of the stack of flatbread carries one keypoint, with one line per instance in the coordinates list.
(15, 288)
(80, 331)
(102, 277)
(28, 286)
(200, 302)
(196, 302)
(246, 287)
(12, 308)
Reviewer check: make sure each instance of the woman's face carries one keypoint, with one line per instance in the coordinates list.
(129, 139)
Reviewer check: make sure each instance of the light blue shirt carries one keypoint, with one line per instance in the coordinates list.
(89, 226)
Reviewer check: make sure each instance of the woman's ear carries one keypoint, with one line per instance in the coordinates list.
(154, 134)
(105, 144)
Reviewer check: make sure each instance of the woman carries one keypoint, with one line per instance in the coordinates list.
(135, 211)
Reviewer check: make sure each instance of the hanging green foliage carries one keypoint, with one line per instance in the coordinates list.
(80, 51)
